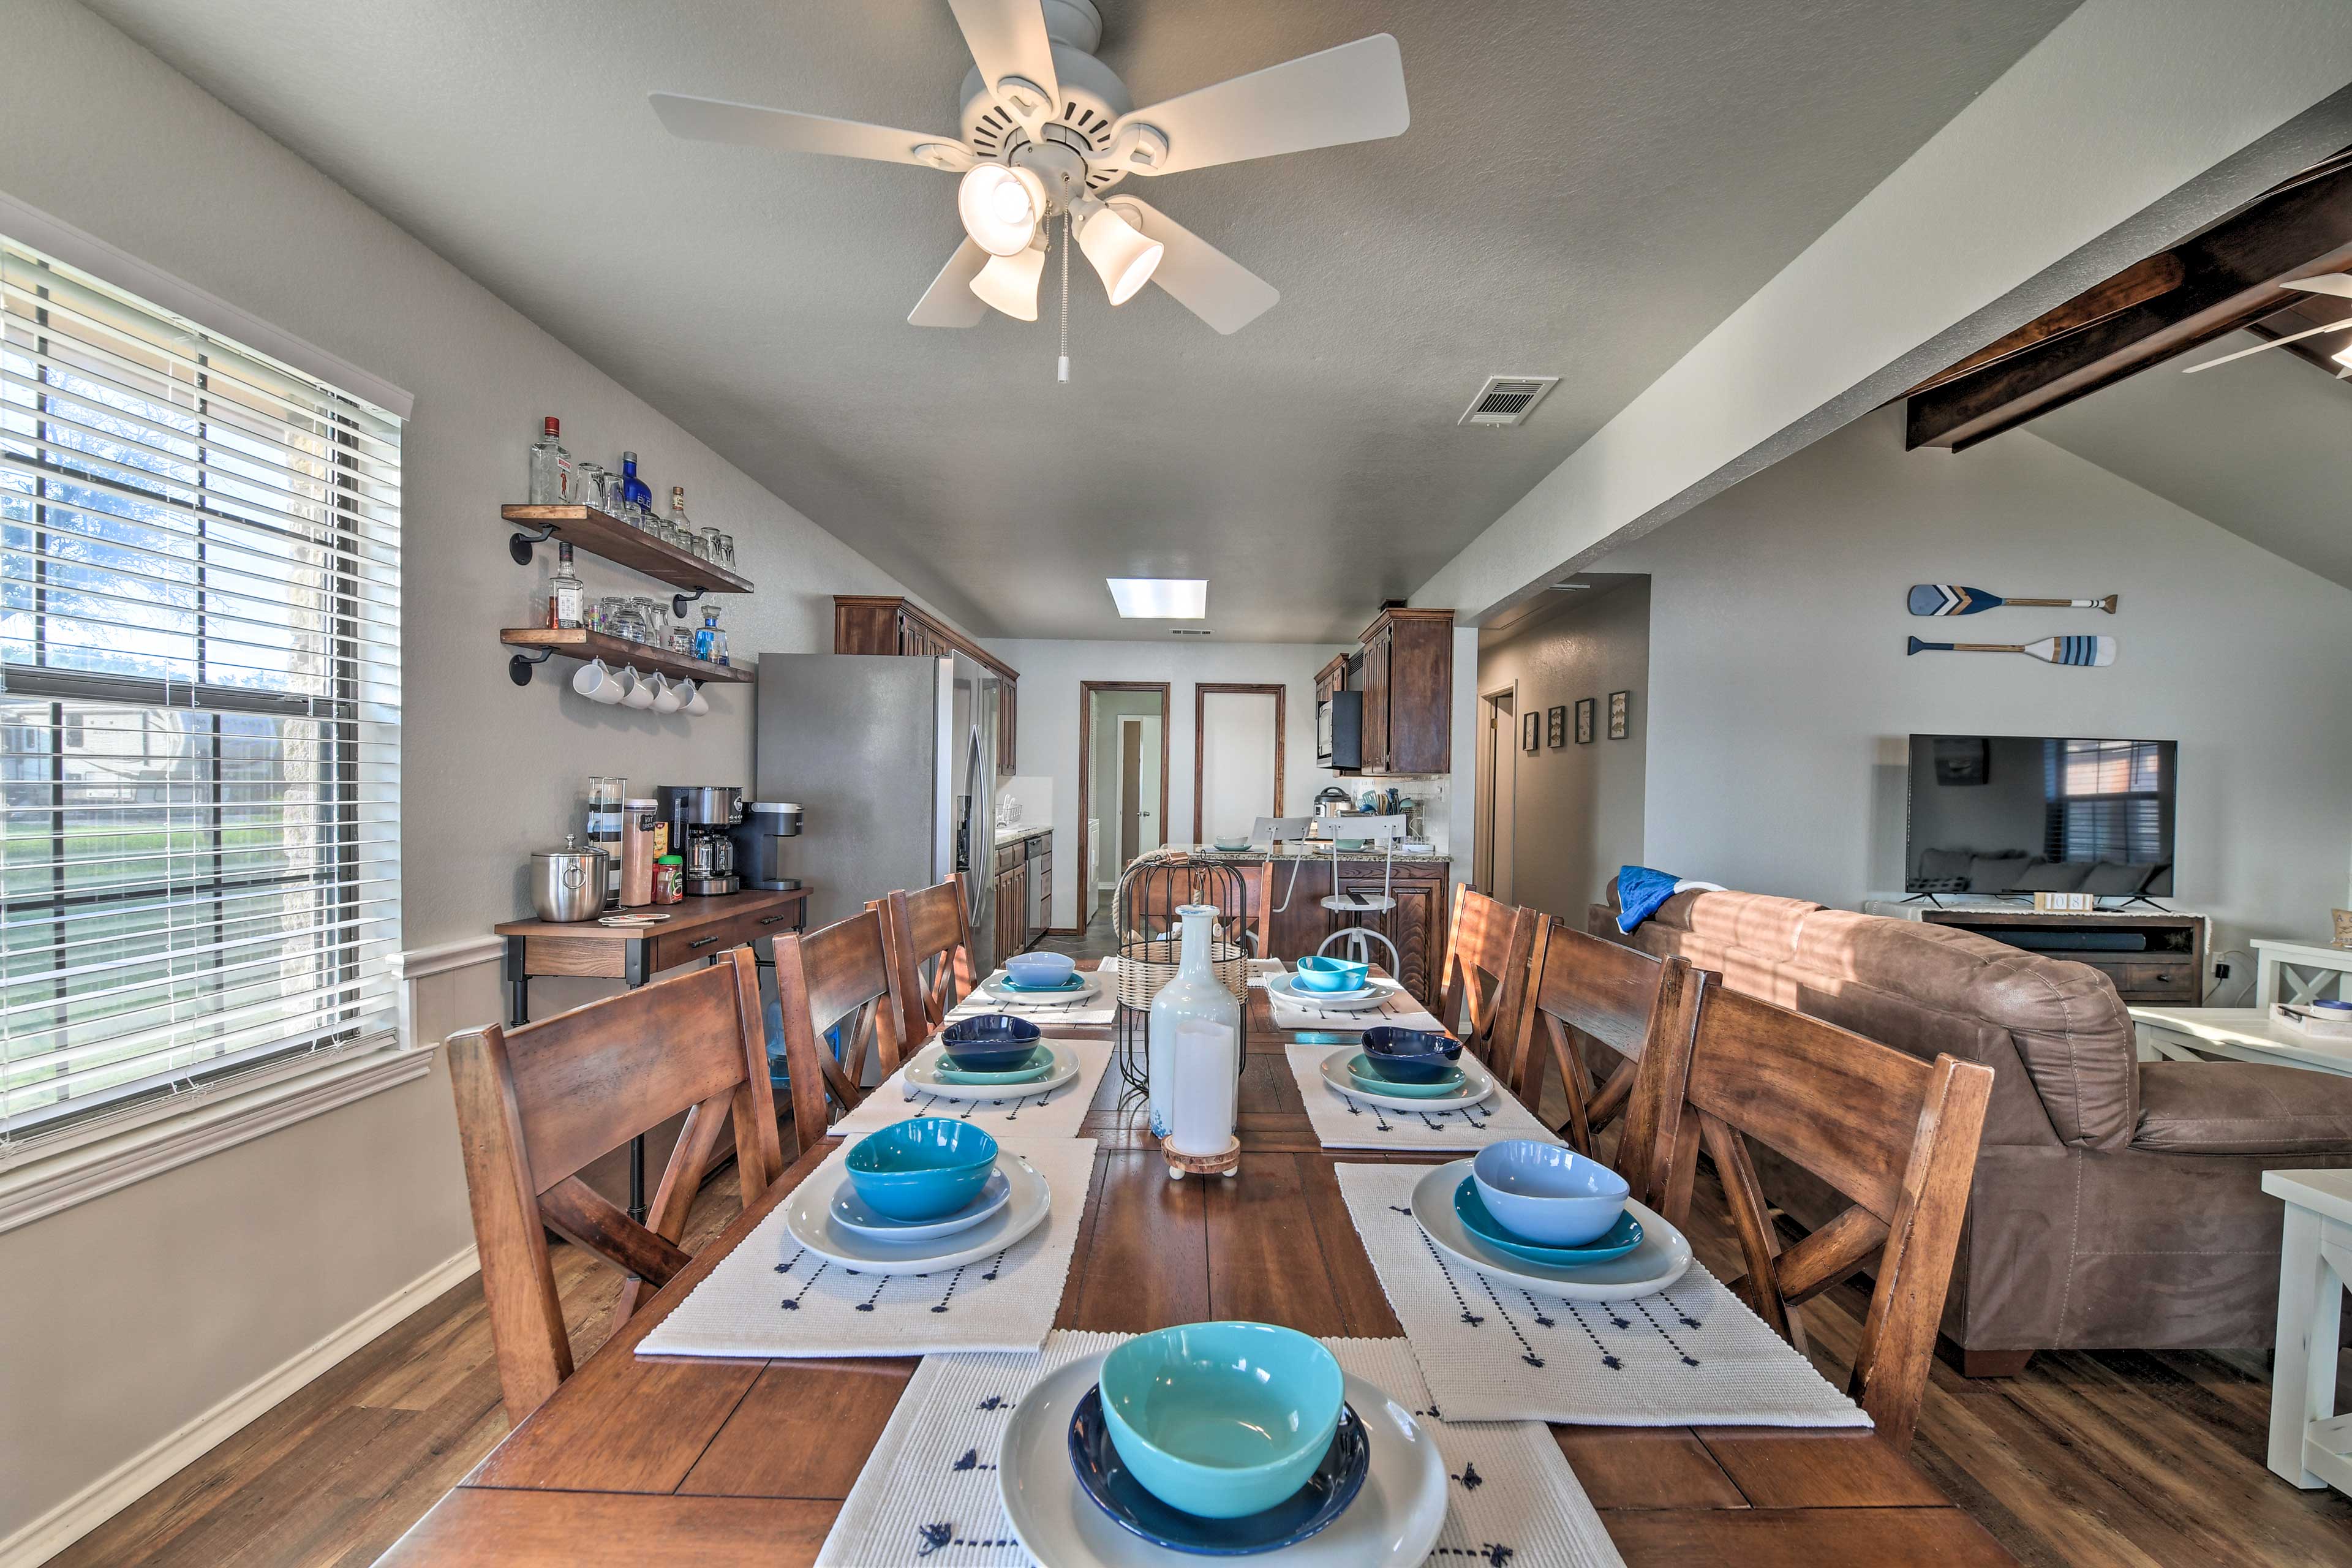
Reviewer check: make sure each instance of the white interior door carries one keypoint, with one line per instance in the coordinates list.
(1140, 829)
(1237, 753)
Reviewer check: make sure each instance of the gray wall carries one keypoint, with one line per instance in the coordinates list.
(1780, 695)
(1577, 810)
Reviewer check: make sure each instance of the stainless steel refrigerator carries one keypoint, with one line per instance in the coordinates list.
(893, 762)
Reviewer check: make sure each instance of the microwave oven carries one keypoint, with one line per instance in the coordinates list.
(1339, 729)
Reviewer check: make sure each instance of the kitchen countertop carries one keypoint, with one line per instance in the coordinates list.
(1005, 835)
(1291, 850)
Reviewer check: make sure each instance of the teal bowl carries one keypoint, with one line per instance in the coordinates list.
(1316, 973)
(926, 1168)
(1222, 1419)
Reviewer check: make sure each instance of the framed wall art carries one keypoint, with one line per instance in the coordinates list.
(1530, 736)
(1585, 708)
(1619, 702)
(1556, 726)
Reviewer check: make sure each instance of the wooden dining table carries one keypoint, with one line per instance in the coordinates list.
(726, 1462)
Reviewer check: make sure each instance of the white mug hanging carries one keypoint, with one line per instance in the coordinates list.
(640, 692)
(697, 704)
(595, 681)
(665, 695)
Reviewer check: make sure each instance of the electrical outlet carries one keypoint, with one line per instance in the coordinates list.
(2221, 971)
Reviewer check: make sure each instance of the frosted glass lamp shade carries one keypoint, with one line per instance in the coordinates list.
(1010, 283)
(1000, 206)
(1120, 252)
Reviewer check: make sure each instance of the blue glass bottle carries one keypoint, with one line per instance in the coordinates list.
(633, 488)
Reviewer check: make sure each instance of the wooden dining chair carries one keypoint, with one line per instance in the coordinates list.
(538, 1102)
(927, 934)
(1894, 1135)
(837, 978)
(1585, 992)
(1484, 982)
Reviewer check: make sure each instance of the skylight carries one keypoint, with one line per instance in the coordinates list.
(1160, 598)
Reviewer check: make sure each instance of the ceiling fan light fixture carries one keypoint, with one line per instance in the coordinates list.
(1121, 253)
(1009, 283)
(1001, 206)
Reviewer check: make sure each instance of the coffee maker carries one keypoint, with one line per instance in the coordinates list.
(759, 844)
(701, 820)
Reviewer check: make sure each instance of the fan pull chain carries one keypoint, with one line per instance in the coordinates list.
(1062, 371)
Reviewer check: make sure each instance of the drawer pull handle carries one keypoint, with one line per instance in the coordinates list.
(771, 920)
(700, 941)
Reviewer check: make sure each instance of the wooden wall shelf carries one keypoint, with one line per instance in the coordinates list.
(602, 534)
(618, 651)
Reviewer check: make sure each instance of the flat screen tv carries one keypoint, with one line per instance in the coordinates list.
(2022, 814)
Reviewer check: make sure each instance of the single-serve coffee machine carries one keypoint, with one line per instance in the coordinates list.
(759, 844)
(701, 820)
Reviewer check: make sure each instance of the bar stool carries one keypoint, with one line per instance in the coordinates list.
(1355, 940)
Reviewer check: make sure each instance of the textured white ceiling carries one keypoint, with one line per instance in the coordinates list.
(1587, 188)
(2262, 448)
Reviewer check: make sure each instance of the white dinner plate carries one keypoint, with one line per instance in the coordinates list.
(1394, 1519)
(995, 987)
(850, 1212)
(808, 1221)
(1477, 1083)
(923, 1076)
(1658, 1262)
(1287, 988)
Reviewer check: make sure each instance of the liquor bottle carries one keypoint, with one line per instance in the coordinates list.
(553, 481)
(681, 530)
(710, 643)
(633, 487)
(567, 597)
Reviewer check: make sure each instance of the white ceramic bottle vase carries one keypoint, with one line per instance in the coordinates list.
(1194, 996)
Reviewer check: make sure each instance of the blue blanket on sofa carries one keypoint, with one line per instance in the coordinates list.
(1640, 891)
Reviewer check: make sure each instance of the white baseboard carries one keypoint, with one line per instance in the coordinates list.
(102, 1498)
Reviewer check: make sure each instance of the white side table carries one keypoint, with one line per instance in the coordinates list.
(2311, 1445)
(2298, 971)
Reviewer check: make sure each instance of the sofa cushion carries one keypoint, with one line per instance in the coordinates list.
(2242, 1108)
(2052, 877)
(1996, 873)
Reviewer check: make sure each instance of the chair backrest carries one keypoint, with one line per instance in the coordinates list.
(1487, 949)
(929, 936)
(1382, 831)
(1582, 987)
(1265, 830)
(837, 977)
(1895, 1135)
(537, 1103)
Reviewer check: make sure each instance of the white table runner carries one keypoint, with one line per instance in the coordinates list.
(1093, 1011)
(1057, 1114)
(1690, 1355)
(770, 1297)
(928, 1495)
(1344, 1121)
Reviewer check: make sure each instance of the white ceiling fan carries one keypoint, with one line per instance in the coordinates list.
(2335, 283)
(1047, 128)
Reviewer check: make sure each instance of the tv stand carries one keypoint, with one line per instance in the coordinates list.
(2156, 958)
(2140, 898)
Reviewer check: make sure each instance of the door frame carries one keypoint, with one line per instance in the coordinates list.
(1498, 794)
(1118, 779)
(1086, 690)
(1201, 690)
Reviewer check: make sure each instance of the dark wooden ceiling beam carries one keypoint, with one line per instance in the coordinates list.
(2231, 275)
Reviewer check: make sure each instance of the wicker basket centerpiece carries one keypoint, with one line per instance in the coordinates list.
(1147, 964)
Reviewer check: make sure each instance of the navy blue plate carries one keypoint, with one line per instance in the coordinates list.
(1323, 1498)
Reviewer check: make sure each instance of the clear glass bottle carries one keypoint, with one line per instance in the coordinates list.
(1196, 997)
(678, 522)
(567, 595)
(553, 481)
(632, 486)
(709, 642)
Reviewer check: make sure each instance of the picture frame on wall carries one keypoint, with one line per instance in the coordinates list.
(1620, 703)
(1585, 708)
(1556, 726)
(1530, 737)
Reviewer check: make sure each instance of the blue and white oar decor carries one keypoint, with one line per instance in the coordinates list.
(2080, 650)
(1952, 599)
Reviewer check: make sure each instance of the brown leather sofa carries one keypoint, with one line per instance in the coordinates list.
(2116, 1204)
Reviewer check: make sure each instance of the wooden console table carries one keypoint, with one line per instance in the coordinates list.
(2298, 971)
(2169, 971)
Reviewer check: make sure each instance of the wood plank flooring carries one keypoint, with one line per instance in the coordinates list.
(2139, 1459)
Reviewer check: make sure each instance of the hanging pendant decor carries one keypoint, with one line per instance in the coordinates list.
(1952, 599)
(2097, 652)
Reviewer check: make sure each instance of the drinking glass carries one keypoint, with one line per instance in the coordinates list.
(711, 538)
(727, 551)
(656, 617)
(592, 478)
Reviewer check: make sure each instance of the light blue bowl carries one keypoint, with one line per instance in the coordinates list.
(1222, 1419)
(1547, 1193)
(1037, 969)
(1319, 974)
(926, 1168)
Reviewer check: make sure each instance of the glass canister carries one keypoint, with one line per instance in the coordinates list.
(1196, 999)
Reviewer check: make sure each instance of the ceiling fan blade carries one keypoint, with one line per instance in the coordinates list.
(950, 302)
(784, 131)
(2273, 343)
(1352, 93)
(2335, 283)
(1008, 41)
(1204, 280)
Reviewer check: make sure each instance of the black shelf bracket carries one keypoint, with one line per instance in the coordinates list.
(520, 667)
(678, 602)
(519, 544)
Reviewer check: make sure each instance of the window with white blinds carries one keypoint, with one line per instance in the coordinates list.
(200, 729)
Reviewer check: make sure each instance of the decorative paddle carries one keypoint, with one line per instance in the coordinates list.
(1952, 599)
(2082, 650)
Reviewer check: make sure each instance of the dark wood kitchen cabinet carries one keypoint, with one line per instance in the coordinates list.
(1421, 884)
(1407, 677)
(889, 624)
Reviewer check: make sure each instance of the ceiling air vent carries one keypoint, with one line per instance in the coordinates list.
(1507, 399)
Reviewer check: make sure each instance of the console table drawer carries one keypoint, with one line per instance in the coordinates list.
(2148, 982)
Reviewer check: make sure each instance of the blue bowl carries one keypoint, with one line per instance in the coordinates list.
(1615, 1242)
(1409, 1055)
(923, 1169)
(1222, 1419)
(1036, 970)
(989, 1042)
(1319, 974)
(1548, 1193)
